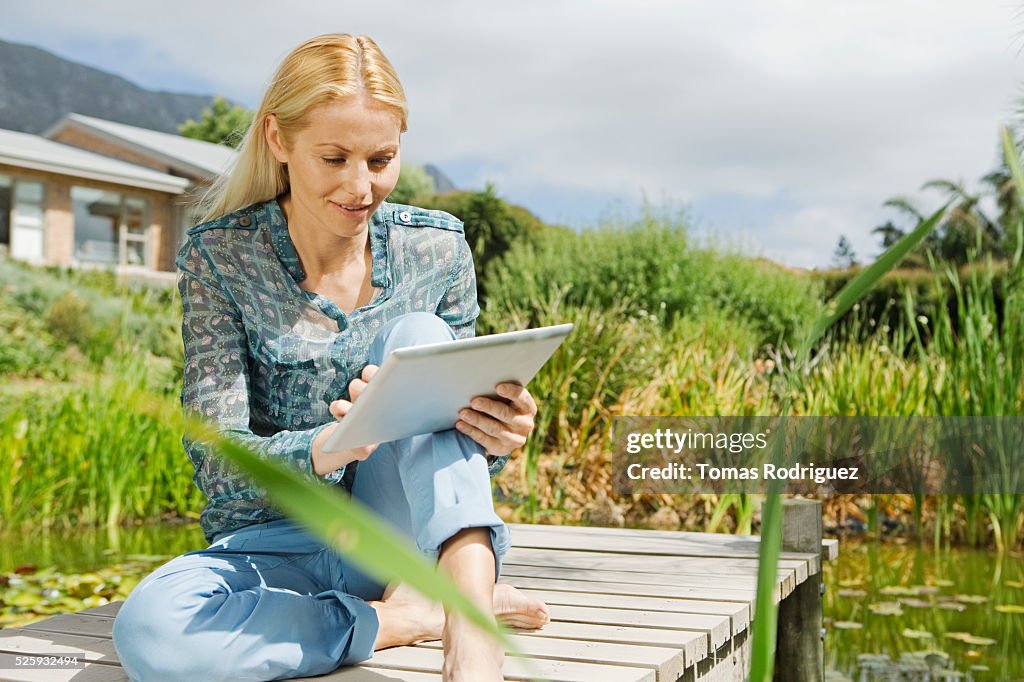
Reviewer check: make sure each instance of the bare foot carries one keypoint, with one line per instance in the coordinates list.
(515, 609)
(406, 617)
(469, 654)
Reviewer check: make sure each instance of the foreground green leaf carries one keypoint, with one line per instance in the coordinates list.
(766, 624)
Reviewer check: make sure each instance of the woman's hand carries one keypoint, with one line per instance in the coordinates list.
(326, 462)
(499, 426)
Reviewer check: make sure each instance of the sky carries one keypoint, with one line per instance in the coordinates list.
(775, 127)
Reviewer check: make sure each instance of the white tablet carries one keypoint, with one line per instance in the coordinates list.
(420, 389)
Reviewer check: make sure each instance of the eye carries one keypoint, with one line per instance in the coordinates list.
(381, 162)
(334, 160)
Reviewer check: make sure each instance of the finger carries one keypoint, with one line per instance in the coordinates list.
(491, 445)
(510, 436)
(520, 397)
(488, 425)
(355, 387)
(364, 452)
(499, 410)
(368, 372)
(339, 408)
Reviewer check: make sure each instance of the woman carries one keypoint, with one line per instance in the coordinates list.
(294, 289)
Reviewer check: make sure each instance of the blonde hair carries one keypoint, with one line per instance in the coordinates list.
(323, 69)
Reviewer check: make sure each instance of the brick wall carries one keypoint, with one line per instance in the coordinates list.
(58, 216)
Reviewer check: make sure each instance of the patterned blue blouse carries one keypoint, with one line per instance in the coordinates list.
(264, 358)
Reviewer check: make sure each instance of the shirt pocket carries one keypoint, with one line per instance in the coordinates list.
(290, 376)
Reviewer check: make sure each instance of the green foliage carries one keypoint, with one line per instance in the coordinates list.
(51, 317)
(220, 123)
(651, 266)
(412, 182)
(88, 454)
(493, 226)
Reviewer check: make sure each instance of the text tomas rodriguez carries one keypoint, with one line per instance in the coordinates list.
(675, 471)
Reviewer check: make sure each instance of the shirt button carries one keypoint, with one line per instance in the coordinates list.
(245, 221)
(405, 216)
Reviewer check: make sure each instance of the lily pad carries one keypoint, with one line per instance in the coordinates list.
(971, 598)
(968, 638)
(886, 608)
(1015, 583)
(1010, 608)
(916, 603)
(917, 634)
(852, 593)
(847, 625)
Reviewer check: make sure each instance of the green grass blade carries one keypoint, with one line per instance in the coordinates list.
(859, 285)
(765, 625)
(350, 529)
(1013, 163)
(1012, 157)
(762, 659)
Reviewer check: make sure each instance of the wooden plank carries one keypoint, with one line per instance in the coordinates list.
(703, 592)
(737, 613)
(716, 628)
(723, 569)
(109, 610)
(693, 644)
(667, 663)
(17, 640)
(749, 544)
(358, 673)
(641, 542)
(75, 624)
(429, 660)
(92, 672)
(536, 566)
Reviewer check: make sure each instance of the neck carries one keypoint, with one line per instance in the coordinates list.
(321, 253)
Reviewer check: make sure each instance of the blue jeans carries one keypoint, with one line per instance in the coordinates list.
(269, 602)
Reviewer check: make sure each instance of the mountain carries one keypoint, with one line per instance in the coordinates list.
(37, 88)
(442, 183)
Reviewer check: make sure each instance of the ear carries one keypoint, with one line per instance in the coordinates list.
(272, 133)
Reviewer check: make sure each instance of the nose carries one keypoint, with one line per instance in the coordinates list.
(355, 182)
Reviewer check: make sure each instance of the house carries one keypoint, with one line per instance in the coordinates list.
(95, 192)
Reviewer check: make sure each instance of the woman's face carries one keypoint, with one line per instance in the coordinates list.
(341, 166)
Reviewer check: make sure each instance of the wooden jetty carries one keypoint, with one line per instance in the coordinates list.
(626, 606)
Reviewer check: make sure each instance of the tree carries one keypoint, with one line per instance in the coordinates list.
(492, 224)
(413, 181)
(221, 123)
(843, 256)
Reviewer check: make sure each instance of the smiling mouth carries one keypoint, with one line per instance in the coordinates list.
(351, 209)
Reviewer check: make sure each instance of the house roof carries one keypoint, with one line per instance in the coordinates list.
(194, 158)
(32, 151)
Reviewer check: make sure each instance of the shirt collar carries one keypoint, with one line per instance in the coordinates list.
(281, 240)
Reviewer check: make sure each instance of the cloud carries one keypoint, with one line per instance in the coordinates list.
(834, 106)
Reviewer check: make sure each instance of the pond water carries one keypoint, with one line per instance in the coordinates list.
(891, 600)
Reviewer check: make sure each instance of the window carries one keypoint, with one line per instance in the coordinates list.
(109, 227)
(21, 218)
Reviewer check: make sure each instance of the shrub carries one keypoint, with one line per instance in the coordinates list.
(652, 266)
